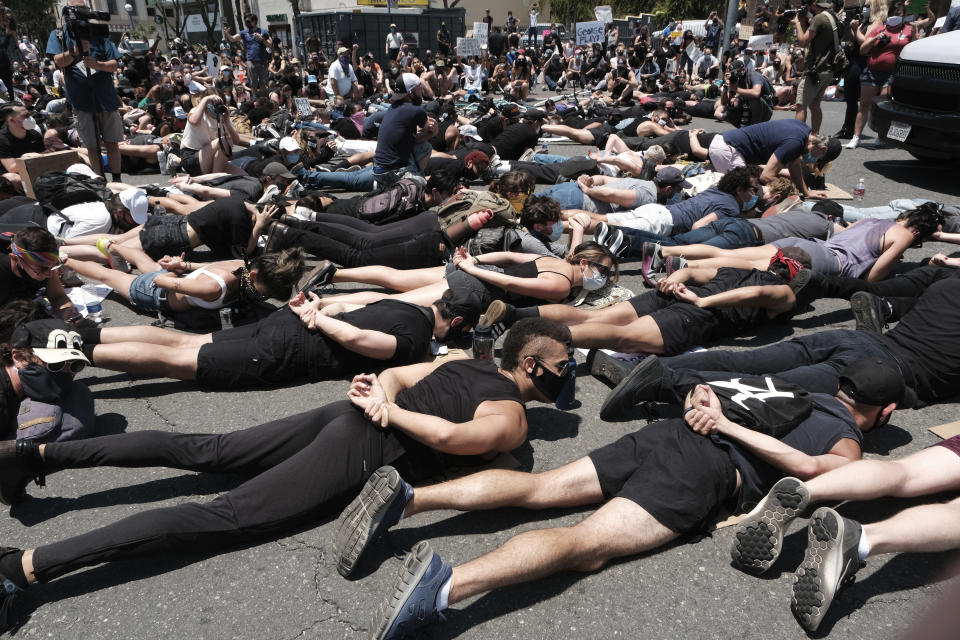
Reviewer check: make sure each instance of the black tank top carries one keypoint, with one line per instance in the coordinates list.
(526, 270)
(453, 391)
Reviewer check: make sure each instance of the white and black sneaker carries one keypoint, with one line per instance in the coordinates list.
(831, 561)
(758, 538)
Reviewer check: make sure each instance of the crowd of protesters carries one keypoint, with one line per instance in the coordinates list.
(441, 156)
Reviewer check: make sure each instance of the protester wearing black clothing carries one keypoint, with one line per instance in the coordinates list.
(300, 469)
(517, 138)
(497, 42)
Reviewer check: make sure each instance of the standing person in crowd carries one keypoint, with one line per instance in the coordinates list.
(9, 51)
(873, 14)
(394, 43)
(443, 40)
(532, 29)
(882, 45)
(89, 67)
(257, 46)
(819, 36)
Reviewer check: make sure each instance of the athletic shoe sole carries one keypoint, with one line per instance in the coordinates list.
(865, 313)
(319, 277)
(606, 368)
(758, 539)
(648, 253)
(601, 232)
(817, 580)
(354, 529)
(625, 393)
(415, 565)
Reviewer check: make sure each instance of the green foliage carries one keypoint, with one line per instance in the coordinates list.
(143, 31)
(569, 11)
(35, 18)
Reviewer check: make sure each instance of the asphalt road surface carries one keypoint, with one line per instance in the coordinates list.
(288, 587)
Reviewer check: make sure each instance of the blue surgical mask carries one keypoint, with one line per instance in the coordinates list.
(556, 231)
(809, 159)
(292, 158)
(750, 204)
(595, 281)
(674, 199)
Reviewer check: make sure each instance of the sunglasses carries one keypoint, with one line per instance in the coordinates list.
(75, 366)
(602, 269)
(561, 368)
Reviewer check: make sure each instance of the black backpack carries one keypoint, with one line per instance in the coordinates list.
(397, 201)
(63, 190)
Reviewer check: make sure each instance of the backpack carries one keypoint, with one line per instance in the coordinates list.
(397, 201)
(492, 239)
(63, 190)
(466, 202)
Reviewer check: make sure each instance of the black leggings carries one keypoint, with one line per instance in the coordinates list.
(851, 91)
(901, 291)
(407, 244)
(300, 469)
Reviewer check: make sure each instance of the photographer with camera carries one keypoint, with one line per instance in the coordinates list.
(821, 37)
(208, 139)
(88, 59)
(882, 45)
(747, 95)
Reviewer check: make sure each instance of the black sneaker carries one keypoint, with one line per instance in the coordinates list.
(319, 277)
(19, 464)
(759, 536)
(803, 291)
(832, 559)
(642, 383)
(607, 368)
(499, 316)
(155, 191)
(365, 520)
(869, 311)
(278, 238)
(8, 591)
(617, 242)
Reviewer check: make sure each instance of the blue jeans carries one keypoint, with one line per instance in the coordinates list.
(726, 233)
(361, 180)
(568, 194)
(551, 83)
(549, 158)
(892, 210)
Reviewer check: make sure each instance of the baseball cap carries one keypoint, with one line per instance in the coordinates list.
(51, 340)
(470, 131)
(872, 381)
(826, 4)
(440, 63)
(289, 144)
(408, 82)
(737, 65)
(393, 26)
(277, 169)
(342, 50)
(311, 79)
(671, 176)
(135, 200)
(465, 302)
(225, 67)
(534, 114)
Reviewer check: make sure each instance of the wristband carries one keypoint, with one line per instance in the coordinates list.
(476, 260)
(686, 411)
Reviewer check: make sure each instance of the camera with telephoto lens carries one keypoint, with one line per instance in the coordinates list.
(737, 76)
(219, 108)
(76, 22)
(883, 40)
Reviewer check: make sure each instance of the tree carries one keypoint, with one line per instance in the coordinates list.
(35, 18)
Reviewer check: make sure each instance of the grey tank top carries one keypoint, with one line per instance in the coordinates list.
(859, 246)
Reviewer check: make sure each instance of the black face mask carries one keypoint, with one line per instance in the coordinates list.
(548, 383)
(248, 292)
(42, 385)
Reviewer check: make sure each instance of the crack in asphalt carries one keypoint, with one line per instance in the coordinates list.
(338, 616)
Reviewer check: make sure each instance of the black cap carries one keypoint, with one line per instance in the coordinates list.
(51, 340)
(829, 208)
(467, 303)
(872, 381)
(277, 169)
(534, 114)
(510, 110)
(737, 65)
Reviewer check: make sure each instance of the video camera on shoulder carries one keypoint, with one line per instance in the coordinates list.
(77, 23)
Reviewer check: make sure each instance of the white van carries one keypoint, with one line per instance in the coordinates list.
(922, 112)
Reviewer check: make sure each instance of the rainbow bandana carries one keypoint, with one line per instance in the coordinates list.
(794, 266)
(39, 258)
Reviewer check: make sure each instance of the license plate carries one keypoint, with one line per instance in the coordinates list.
(898, 131)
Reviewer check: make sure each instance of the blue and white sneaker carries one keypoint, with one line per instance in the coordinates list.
(413, 603)
(379, 506)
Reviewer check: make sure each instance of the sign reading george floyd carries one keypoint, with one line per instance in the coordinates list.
(590, 32)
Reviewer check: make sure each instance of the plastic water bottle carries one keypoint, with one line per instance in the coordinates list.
(568, 396)
(859, 190)
(94, 308)
(483, 343)
(543, 148)
(226, 318)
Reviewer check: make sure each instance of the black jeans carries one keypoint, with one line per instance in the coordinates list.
(300, 469)
(407, 244)
(813, 362)
(901, 291)
(851, 91)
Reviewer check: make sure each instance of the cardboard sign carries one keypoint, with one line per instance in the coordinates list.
(480, 30)
(213, 65)
(303, 106)
(468, 47)
(590, 32)
(603, 13)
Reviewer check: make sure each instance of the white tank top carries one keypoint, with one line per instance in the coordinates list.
(200, 302)
(197, 136)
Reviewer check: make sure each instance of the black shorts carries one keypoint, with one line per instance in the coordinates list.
(677, 476)
(275, 351)
(164, 236)
(601, 133)
(681, 325)
(190, 161)
(467, 284)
